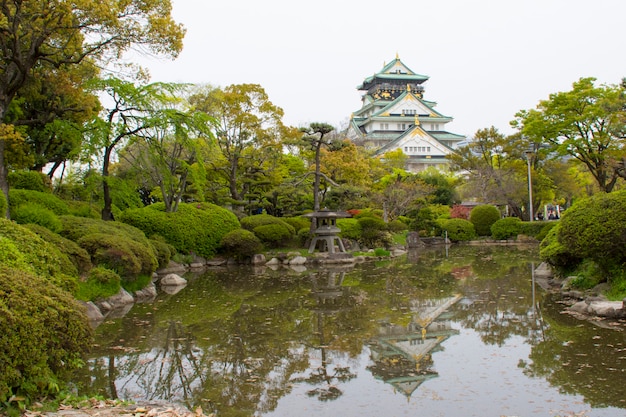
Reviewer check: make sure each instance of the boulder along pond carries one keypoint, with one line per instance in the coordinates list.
(442, 331)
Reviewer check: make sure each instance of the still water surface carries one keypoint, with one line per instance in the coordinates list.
(458, 331)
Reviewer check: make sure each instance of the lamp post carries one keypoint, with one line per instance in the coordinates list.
(529, 156)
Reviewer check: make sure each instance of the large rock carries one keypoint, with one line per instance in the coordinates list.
(122, 298)
(298, 260)
(146, 294)
(172, 280)
(258, 259)
(93, 312)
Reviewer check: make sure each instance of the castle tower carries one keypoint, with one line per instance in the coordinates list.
(395, 115)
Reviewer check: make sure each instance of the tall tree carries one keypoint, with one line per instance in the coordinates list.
(52, 34)
(587, 123)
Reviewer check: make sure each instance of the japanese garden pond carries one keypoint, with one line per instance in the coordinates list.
(444, 331)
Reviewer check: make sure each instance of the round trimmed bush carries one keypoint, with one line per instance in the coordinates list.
(556, 254)
(101, 283)
(458, 229)
(241, 244)
(45, 334)
(482, 217)
(506, 228)
(76, 255)
(374, 232)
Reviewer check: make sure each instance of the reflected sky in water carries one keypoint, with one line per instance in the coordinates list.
(446, 331)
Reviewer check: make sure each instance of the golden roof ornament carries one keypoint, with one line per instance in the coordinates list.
(417, 120)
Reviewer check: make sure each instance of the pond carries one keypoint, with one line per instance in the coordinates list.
(460, 330)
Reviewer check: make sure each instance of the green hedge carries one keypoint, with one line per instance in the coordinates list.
(45, 333)
(350, 228)
(29, 180)
(195, 228)
(76, 255)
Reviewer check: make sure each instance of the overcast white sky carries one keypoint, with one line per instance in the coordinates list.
(486, 59)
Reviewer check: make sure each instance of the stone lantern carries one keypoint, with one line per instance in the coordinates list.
(327, 230)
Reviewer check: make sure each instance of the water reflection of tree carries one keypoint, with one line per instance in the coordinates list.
(580, 358)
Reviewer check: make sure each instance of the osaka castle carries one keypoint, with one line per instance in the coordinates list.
(395, 115)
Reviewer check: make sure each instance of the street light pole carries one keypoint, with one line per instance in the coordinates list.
(529, 156)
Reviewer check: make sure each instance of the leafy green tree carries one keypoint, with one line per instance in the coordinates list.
(587, 123)
(50, 111)
(132, 111)
(316, 135)
(248, 131)
(54, 34)
(168, 153)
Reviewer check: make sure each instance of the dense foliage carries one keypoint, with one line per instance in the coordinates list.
(240, 244)
(44, 335)
(594, 229)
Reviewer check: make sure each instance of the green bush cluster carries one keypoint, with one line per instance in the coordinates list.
(120, 253)
(458, 230)
(374, 232)
(36, 214)
(195, 228)
(27, 251)
(51, 202)
(162, 250)
(506, 228)
(29, 180)
(350, 228)
(593, 229)
(3, 204)
(45, 333)
(118, 246)
(482, 217)
(240, 244)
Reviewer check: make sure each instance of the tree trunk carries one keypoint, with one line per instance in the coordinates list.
(107, 214)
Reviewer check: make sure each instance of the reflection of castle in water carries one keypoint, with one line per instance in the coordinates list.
(402, 354)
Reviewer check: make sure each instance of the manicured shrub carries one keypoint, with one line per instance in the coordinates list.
(36, 214)
(425, 221)
(297, 222)
(374, 232)
(40, 257)
(593, 228)
(76, 255)
(536, 229)
(458, 230)
(53, 203)
(397, 226)
(506, 228)
(482, 217)
(120, 253)
(273, 235)
(252, 222)
(84, 209)
(74, 228)
(44, 335)
(350, 228)
(29, 180)
(460, 212)
(195, 228)
(241, 244)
